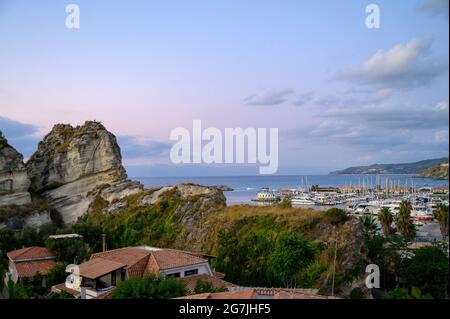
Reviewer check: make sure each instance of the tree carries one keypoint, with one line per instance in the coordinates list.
(441, 215)
(291, 255)
(57, 274)
(16, 291)
(204, 286)
(69, 250)
(386, 219)
(397, 293)
(403, 221)
(368, 224)
(150, 287)
(336, 216)
(428, 271)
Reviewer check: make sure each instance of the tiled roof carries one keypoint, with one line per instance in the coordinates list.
(141, 261)
(30, 253)
(243, 294)
(134, 259)
(217, 283)
(62, 287)
(98, 267)
(32, 268)
(169, 258)
(253, 294)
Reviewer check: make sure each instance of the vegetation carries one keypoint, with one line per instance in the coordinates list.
(368, 224)
(3, 141)
(356, 293)
(386, 219)
(428, 271)
(285, 203)
(441, 215)
(149, 288)
(57, 274)
(203, 286)
(16, 291)
(69, 250)
(403, 221)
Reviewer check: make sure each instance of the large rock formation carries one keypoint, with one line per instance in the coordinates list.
(72, 162)
(14, 181)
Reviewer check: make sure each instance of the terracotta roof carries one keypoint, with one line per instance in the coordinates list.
(217, 283)
(253, 294)
(243, 294)
(140, 261)
(30, 253)
(169, 258)
(62, 287)
(32, 268)
(99, 267)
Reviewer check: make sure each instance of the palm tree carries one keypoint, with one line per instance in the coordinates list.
(441, 215)
(403, 221)
(369, 224)
(386, 219)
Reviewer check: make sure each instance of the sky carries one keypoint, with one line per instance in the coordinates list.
(340, 94)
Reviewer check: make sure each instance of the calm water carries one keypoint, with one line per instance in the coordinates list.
(246, 187)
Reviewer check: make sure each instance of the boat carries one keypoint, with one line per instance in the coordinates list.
(302, 200)
(265, 196)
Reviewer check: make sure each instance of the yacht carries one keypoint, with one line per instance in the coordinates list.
(302, 200)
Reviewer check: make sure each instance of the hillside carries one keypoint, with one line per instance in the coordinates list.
(436, 172)
(196, 218)
(404, 168)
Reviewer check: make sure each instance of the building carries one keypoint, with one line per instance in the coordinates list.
(28, 262)
(101, 274)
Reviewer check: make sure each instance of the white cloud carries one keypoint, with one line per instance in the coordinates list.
(269, 98)
(403, 66)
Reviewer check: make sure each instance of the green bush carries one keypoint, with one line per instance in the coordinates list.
(149, 288)
(356, 293)
(336, 216)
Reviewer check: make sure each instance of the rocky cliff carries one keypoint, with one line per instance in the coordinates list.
(436, 172)
(14, 181)
(71, 162)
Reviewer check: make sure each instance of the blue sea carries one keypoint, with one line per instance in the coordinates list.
(246, 187)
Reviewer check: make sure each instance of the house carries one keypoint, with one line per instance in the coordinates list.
(28, 262)
(101, 274)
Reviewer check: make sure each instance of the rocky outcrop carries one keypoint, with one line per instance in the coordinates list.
(436, 172)
(71, 163)
(14, 181)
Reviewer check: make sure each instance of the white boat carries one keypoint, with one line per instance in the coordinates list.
(302, 200)
(265, 195)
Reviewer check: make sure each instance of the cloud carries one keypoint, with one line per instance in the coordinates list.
(132, 147)
(394, 116)
(304, 98)
(435, 7)
(22, 136)
(406, 65)
(269, 98)
(14, 129)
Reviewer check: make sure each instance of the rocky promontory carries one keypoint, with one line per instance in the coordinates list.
(71, 162)
(14, 181)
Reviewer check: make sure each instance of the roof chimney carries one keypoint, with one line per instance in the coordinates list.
(103, 242)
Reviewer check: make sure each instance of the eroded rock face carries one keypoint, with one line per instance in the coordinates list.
(72, 162)
(14, 181)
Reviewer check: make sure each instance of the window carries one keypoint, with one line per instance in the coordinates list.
(175, 275)
(191, 272)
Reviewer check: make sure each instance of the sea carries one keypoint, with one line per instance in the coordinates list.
(246, 187)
